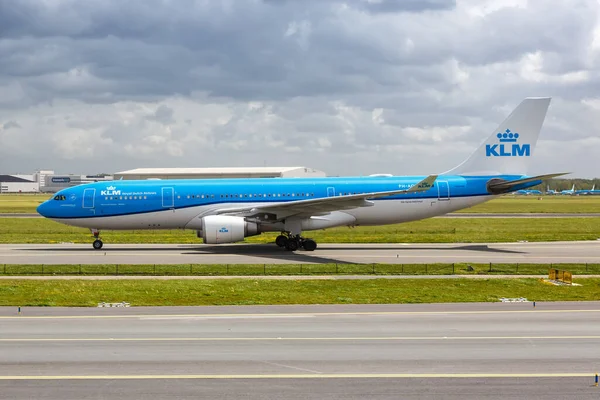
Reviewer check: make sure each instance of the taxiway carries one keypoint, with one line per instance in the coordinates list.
(538, 252)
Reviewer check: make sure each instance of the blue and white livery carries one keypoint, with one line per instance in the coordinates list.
(228, 210)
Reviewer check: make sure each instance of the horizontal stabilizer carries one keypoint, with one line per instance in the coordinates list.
(498, 186)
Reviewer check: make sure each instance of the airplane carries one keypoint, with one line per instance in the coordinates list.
(568, 191)
(229, 210)
(591, 191)
(550, 191)
(528, 192)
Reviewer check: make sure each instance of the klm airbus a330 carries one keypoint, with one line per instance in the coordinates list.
(228, 210)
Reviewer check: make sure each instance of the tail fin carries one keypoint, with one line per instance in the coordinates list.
(509, 149)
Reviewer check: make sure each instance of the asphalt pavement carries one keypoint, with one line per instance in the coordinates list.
(395, 253)
(451, 351)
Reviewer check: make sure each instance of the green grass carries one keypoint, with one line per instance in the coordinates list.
(21, 203)
(249, 291)
(531, 204)
(27, 203)
(436, 230)
(295, 269)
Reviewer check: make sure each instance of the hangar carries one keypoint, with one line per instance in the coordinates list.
(212, 173)
(18, 184)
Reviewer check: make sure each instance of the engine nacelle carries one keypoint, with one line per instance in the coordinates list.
(226, 229)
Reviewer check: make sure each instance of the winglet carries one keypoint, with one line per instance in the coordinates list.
(424, 185)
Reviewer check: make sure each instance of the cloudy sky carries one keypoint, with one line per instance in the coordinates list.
(348, 87)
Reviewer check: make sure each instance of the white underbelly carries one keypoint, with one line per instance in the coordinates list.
(396, 211)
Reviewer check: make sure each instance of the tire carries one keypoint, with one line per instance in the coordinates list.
(97, 244)
(309, 245)
(291, 245)
(281, 241)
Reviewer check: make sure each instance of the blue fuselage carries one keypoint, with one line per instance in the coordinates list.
(123, 198)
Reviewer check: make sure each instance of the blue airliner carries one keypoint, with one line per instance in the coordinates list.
(228, 210)
(586, 192)
(568, 191)
(529, 192)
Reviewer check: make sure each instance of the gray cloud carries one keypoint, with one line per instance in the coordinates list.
(10, 125)
(345, 86)
(163, 114)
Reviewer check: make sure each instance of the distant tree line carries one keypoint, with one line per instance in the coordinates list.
(565, 184)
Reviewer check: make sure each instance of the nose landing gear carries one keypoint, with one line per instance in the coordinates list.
(97, 242)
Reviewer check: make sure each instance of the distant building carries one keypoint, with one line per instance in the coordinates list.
(212, 173)
(18, 184)
(54, 183)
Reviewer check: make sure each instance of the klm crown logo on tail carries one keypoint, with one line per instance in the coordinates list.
(504, 149)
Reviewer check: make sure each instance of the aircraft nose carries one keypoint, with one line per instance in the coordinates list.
(43, 209)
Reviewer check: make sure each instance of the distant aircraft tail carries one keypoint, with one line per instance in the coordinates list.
(509, 149)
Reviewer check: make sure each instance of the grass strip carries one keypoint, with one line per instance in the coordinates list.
(295, 269)
(78, 293)
(437, 230)
(537, 204)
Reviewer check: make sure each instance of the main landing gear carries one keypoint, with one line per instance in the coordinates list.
(293, 243)
(97, 242)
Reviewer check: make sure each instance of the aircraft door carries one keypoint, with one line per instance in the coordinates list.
(330, 192)
(168, 197)
(443, 190)
(88, 198)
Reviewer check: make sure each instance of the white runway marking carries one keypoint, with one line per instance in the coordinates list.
(242, 339)
(286, 315)
(303, 376)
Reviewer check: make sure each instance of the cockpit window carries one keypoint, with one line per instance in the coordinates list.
(60, 197)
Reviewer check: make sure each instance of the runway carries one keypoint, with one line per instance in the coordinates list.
(540, 252)
(454, 351)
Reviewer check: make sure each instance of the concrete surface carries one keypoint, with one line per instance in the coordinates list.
(452, 351)
(535, 252)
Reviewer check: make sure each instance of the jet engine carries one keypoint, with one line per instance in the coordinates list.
(226, 229)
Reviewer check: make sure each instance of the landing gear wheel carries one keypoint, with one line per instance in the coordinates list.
(309, 245)
(97, 244)
(291, 245)
(281, 241)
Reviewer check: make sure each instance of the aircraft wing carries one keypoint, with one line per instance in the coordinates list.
(323, 205)
(507, 186)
